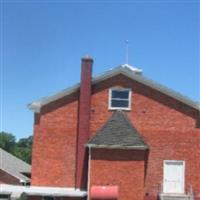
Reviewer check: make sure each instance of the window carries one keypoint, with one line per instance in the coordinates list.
(4, 196)
(48, 198)
(120, 98)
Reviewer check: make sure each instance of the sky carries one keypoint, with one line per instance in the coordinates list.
(42, 42)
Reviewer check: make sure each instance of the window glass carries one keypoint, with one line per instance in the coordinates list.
(119, 104)
(120, 94)
(48, 198)
(4, 197)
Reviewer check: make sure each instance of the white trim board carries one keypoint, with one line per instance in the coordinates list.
(42, 191)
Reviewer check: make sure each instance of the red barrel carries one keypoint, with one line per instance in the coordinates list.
(104, 192)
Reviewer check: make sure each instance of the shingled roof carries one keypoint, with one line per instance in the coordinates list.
(14, 166)
(119, 133)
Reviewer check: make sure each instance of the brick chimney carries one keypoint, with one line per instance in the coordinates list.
(83, 133)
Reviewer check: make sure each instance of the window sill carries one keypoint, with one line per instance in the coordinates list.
(124, 109)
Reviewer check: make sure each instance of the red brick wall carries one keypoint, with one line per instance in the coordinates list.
(150, 108)
(122, 168)
(172, 145)
(6, 178)
(54, 144)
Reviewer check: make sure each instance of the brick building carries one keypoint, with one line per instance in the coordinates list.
(119, 136)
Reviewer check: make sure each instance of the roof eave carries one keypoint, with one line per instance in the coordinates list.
(142, 147)
(163, 89)
(36, 106)
(42, 191)
(20, 177)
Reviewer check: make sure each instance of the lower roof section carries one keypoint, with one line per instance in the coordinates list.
(42, 191)
(118, 133)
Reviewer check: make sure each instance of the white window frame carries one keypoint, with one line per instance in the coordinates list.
(110, 99)
(175, 161)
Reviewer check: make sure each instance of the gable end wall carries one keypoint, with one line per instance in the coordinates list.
(167, 126)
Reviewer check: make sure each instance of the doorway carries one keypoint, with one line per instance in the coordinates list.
(174, 176)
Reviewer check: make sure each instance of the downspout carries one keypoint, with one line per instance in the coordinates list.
(88, 183)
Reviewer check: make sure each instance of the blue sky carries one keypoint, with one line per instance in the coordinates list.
(42, 43)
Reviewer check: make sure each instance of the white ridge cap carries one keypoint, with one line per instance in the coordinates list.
(132, 68)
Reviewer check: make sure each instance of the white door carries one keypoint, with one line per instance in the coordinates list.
(174, 176)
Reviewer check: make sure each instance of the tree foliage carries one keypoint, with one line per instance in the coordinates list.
(22, 148)
(7, 141)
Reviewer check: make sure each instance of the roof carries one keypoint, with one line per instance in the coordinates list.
(118, 132)
(14, 166)
(42, 191)
(126, 70)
